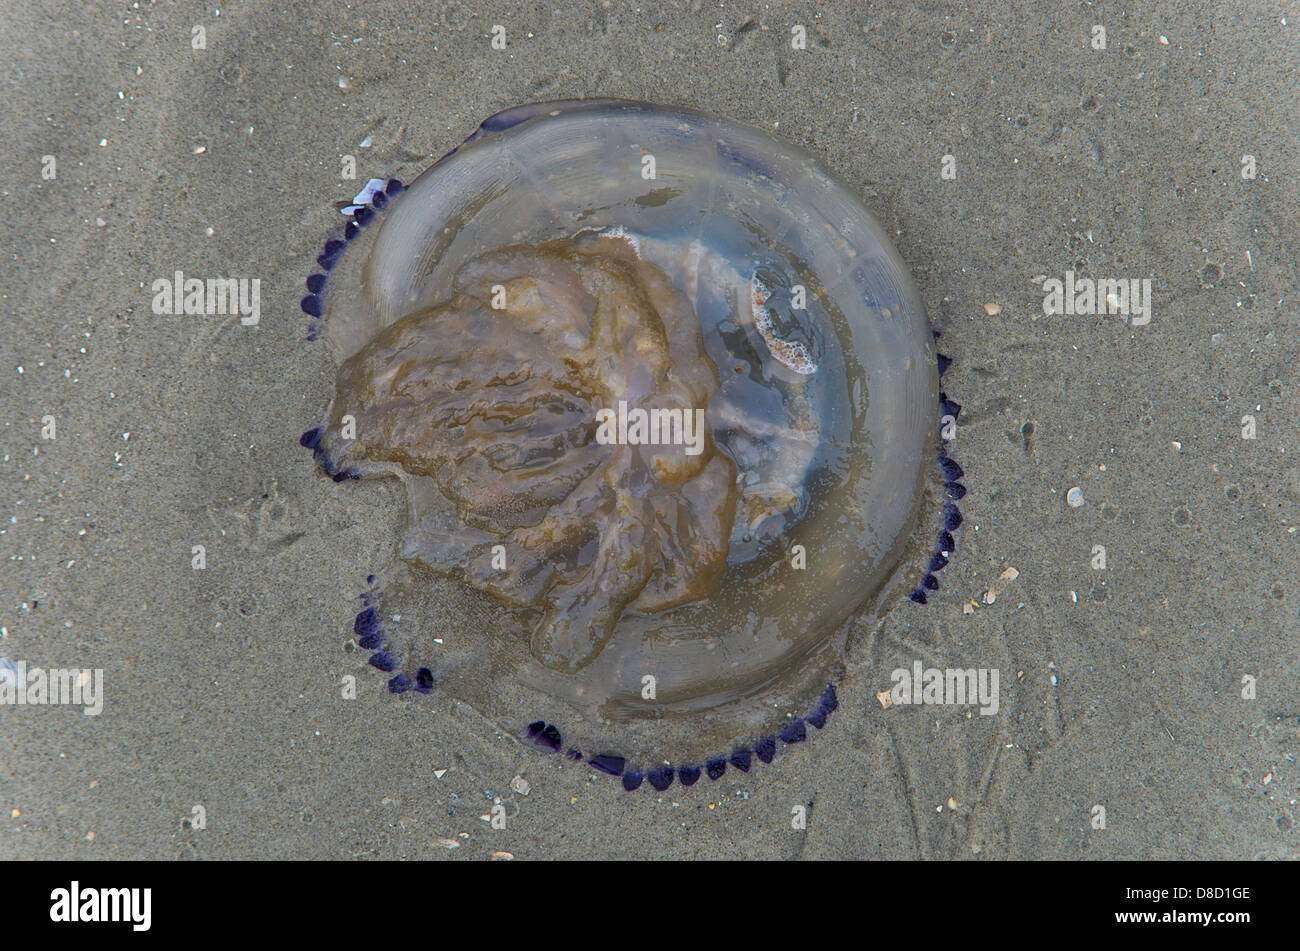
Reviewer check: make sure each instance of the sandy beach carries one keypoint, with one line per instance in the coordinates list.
(1148, 709)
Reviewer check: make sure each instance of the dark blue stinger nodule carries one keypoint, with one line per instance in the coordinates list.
(313, 303)
(953, 489)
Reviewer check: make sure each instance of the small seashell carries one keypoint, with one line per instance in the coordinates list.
(1004, 579)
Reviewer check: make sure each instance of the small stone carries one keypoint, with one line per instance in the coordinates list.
(992, 309)
(1074, 497)
(886, 699)
(520, 785)
(503, 856)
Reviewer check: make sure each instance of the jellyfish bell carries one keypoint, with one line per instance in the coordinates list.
(516, 331)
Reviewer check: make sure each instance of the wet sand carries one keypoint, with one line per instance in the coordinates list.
(1121, 688)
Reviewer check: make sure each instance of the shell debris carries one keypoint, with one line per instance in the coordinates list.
(996, 588)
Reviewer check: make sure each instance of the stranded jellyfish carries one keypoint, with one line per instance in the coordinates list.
(665, 404)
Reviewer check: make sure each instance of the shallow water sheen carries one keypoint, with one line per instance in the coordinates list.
(662, 602)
